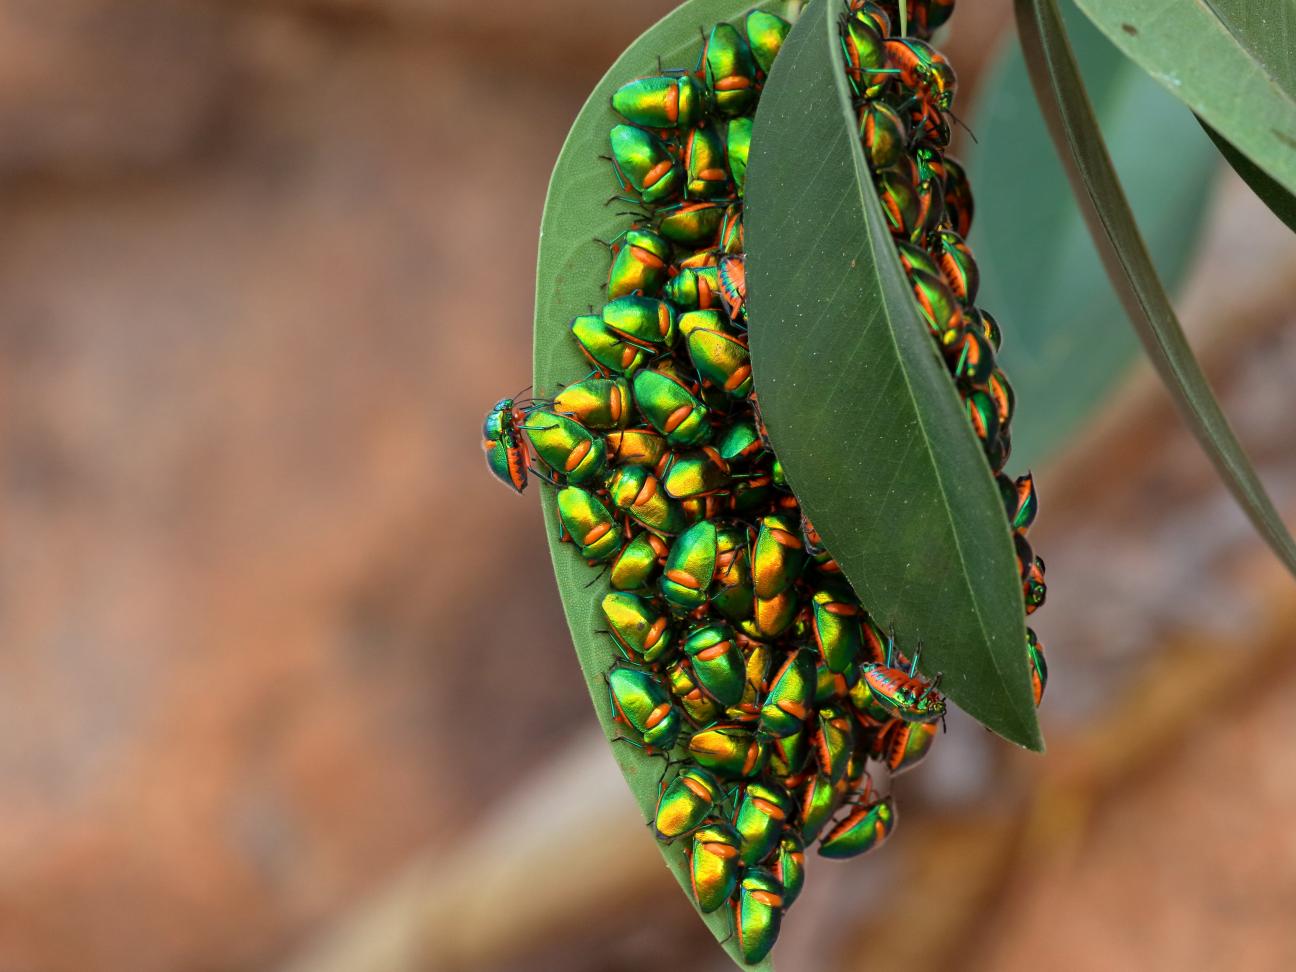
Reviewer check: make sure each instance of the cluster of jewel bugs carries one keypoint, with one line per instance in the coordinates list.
(745, 659)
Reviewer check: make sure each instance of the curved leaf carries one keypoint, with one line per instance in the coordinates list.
(1067, 344)
(1062, 96)
(1230, 61)
(861, 411)
(1280, 202)
(571, 274)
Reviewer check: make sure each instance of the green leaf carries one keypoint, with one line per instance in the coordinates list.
(1230, 61)
(861, 410)
(1281, 202)
(1062, 96)
(571, 274)
(1067, 343)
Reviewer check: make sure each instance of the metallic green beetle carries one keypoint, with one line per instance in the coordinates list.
(638, 626)
(788, 756)
(906, 695)
(940, 308)
(643, 705)
(739, 441)
(835, 618)
(640, 561)
(606, 350)
(643, 321)
(685, 803)
(899, 201)
(732, 239)
(975, 357)
(590, 524)
(705, 174)
(730, 70)
(690, 568)
(601, 404)
(758, 913)
(884, 134)
(700, 708)
(863, 829)
(772, 616)
(905, 744)
(718, 664)
(778, 555)
(1038, 666)
(714, 865)
(984, 416)
(789, 866)
(765, 35)
(644, 163)
(763, 812)
(820, 799)
(722, 360)
(834, 741)
(700, 472)
(731, 751)
(636, 491)
(640, 264)
(1020, 500)
(787, 705)
(664, 101)
(636, 447)
(694, 288)
(866, 59)
(738, 149)
(691, 223)
(671, 408)
(566, 446)
(957, 265)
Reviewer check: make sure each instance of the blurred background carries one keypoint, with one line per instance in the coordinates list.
(284, 682)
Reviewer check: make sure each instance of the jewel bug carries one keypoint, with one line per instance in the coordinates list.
(1038, 666)
(772, 616)
(671, 408)
(732, 277)
(833, 741)
(1020, 501)
(957, 265)
(722, 360)
(905, 744)
(700, 472)
(758, 912)
(690, 566)
(862, 830)
(600, 404)
(900, 203)
(923, 70)
(866, 55)
(640, 264)
(685, 803)
(731, 751)
(699, 708)
(694, 288)
(565, 446)
(904, 694)
(1034, 589)
(763, 811)
(663, 101)
(974, 357)
(718, 665)
(786, 707)
(983, 321)
(883, 133)
(836, 620)
(636, 447)
(872, 14)
(820, 797)
(706, 176)
(788, 866)
(713, 865)
(506, 454)
(640, 628)
(984, 416)
(778, 556)
(1005, 399)
(589, 523)
(643, 705)
(737, 150)
(759, 657)
(691, 223)
(765, 35)
(643, 321)
(731, 231)
(643, 163)
(788, 755)
(733, 596)
(730, 70)
(940, 308)
(606, 350)
(636, 491)
(640, 561)
(959, 206)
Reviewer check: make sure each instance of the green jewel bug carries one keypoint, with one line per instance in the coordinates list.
(732, 276)
(873, 15)
(636, 447)
(731, 751)
(884, 134)
(606, 350)
(760, 657)
(958, 197)
(690, 475)
(830, 687)
(787, 705)
(957, 265)
(765, 35)
(642, 704)
(601, 404)
(789, 866)
(905, 744)
(771, 616)
(940, 308)
(699, 707)
(788, 755)
(1034, 589)
(820, 798)
(566, 446)
(866, 57)
(758, 912)
(644, 163)
(704, 165)
(763, 811)
(984, 416)
(1038, 666)
(900, 203)
(1004, 397)
(778, 556)
(694, 288)
(923, 70)
(671, 408)
(718, 664)
(739, 441)
(868, 709)
(1020, 501)
(663, 101)
(733, 597)
(731, 231)
(506, 454)
(690, 567)
(974, 356)
(737, 150)
(589, 523)
(838, 629)
(866, 827)
(714, 865)
(685, 803)
(639, 628)
(644, 321)
(640, 561)
(833, 741)
(640, 264)
(904, 694)
(722, 360)
(730, 70)
(691, 223)
(984, 322)
(637, 491)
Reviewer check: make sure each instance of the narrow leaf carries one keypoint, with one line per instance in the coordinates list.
(571, 274)
(1066, 106)
(1230, 61)
(861, 411)
(1281, 202)
(1068, 344)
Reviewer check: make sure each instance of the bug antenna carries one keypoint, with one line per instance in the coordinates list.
(959, 121)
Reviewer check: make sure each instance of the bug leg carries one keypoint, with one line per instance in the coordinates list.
(597, 577)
